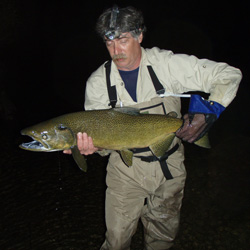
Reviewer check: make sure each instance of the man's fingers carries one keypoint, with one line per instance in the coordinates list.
(84, 146)
(80, 142)
(192, 129)
(194, 136)
(181, 132)
(84, 143)
(91, 144)
(67, 151)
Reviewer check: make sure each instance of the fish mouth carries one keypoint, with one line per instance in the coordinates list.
(33, 145)
(36, 146)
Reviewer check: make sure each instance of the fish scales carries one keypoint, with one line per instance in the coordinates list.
(113, 129)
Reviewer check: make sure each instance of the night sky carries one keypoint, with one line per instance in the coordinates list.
(50, 48)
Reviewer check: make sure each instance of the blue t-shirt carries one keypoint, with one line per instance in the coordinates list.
(130, 81)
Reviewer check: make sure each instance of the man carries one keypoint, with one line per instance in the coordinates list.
(150, 190)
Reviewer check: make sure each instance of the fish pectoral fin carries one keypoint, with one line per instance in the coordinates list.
(127, 157)
(79, 159)
(203, 142)
(161, 147)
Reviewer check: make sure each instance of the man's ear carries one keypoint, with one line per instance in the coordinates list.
(140, 38)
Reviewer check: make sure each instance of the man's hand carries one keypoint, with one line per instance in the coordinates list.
(192, 127)
(84, 144)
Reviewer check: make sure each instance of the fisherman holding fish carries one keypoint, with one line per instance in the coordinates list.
(151, 80)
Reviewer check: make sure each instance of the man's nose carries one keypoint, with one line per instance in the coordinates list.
(117, 49)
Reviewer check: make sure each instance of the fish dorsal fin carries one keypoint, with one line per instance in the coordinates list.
(161, 147)
(172, 114)
(128, 110)
(79, 159)
(127, 157)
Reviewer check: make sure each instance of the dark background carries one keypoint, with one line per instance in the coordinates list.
(48, 49)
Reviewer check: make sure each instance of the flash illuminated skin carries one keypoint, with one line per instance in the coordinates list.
(125, 51)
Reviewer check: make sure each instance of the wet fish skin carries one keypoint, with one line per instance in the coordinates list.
(112, 129)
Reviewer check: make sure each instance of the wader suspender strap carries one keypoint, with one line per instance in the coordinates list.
(158, 87)
(162, 161)
(111, 89)
(159, 90)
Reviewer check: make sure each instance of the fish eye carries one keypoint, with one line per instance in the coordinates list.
(44, 136)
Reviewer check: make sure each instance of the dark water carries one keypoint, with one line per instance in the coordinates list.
(48, 203)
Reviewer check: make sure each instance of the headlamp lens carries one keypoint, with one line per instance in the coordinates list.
(112, 34)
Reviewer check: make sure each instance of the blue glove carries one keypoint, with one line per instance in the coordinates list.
(201, 106)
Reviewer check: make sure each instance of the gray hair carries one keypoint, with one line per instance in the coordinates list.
(117, 20)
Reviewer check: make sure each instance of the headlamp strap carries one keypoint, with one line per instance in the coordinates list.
(113, 17)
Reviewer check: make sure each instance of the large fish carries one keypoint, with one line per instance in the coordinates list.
(118, 129)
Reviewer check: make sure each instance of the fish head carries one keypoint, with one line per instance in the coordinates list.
(48, 136)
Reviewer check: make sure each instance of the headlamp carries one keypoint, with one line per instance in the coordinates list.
(113, 32)
(117, 26)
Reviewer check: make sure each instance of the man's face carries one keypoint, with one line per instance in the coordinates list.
(125, 51)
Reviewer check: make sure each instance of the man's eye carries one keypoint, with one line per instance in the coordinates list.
(123, 40)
